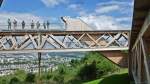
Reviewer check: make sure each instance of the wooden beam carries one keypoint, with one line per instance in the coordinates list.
(63, 50)
(143, 30)
(145, 61)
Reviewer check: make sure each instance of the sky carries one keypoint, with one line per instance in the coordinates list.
(101, 14)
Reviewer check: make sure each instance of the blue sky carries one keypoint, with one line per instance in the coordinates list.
(111, 14)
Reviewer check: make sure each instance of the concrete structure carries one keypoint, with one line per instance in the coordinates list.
(139, 60)
(76, 24)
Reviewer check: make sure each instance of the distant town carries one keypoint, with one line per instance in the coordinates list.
(9, 63)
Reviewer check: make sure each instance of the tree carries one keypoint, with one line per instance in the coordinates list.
(88, 72)
(30, 78)
(14, 80)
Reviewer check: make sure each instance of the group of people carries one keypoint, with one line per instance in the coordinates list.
(32, 24)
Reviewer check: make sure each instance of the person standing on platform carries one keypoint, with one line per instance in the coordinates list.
(32, 25)
(15, 24)
(9, 24)
(44, 25)
(38, 24)
(23, 24)
(47, 24)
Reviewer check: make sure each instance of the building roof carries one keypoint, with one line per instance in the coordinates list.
(141, 8)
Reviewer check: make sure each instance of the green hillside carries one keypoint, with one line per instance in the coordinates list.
(91, 67)
(120, 77)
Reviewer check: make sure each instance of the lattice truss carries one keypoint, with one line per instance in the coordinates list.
(83, 40)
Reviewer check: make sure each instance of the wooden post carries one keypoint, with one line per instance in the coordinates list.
(39, 55)
(39, 64)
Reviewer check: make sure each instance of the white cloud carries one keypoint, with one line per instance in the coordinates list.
(51, 3)
(77, 8)
(100, 21)
(103, 22)
(106, 9)
(123, 3)
(124, 19)
(120, 6)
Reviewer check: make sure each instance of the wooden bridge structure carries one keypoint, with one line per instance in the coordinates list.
(21, 41)
(110, 43)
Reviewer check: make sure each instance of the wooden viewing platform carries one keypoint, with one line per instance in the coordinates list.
(56, 41)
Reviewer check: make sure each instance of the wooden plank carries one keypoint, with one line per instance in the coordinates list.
(71, 41)
(14, 46)
(92, 38)
(62, 50)
(77, 41)
(114, 38)
(44, 38)
(25, 39)
(126, 36)
(52, 43)
(25, 45)
(33, 40)
(2, 43)
(81, 37)
(145, 61)
(58, 41)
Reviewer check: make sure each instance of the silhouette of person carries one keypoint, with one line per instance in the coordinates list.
(38, 24)
(44, 25)
(32, 25)
(47, 23)
(23, 24)
(15, 24)
(9, 24)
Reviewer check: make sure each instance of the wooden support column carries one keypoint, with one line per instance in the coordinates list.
(130, 64)
(39, 64)
(39, 54)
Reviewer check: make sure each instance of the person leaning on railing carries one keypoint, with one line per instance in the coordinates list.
(15, 24)
(44, 25)
(38, 24)
(47, 23)
(9, 24)
(23, 24)
(32, 25)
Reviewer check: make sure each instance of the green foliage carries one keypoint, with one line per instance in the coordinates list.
(74, 62)
(14, 80)
(61, 69)
(103, 65)
(88, 72)
(3, 81)
(30, 78)
(20, 74)
(91, 67)
(116, 79)
(120, 77)
(59, 79)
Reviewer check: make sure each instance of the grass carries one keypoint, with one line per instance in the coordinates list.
(120, 77)
(94, 81)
